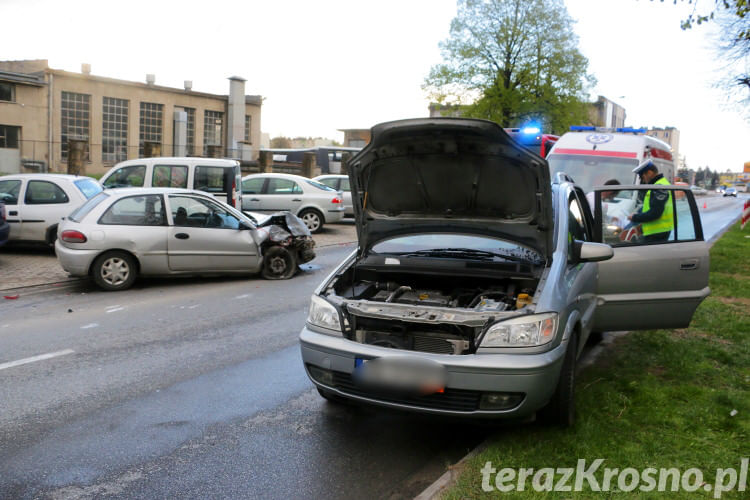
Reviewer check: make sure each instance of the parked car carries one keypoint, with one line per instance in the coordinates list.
(36, 203)
(315, 203)
(339, 183)
(4, 226)
(697, 190)
(477, 281)
(218, 176)
(730, 191)
(123, 233)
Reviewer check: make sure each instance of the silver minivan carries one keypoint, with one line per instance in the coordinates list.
(477, 280)
(220, 177)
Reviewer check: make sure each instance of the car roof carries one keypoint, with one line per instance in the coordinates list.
(69, 177)
(330, 176)
(156, 159)
(278, 176)
(153, 190)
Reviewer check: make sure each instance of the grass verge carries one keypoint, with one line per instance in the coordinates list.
(661, 399)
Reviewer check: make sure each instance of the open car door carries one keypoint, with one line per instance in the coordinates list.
(653, 280)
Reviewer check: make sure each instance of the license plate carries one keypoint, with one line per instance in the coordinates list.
(400, 374)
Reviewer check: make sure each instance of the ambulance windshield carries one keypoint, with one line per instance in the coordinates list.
(588, 171)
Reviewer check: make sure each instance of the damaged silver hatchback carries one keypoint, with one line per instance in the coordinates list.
(477, 280)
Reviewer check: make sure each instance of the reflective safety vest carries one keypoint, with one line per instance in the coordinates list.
(664, 223)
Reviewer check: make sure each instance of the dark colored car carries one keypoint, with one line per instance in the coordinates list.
(4, 226)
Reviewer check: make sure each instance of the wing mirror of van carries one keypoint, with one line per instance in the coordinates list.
(587, 251)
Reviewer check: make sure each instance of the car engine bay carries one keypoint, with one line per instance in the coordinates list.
(428, 313)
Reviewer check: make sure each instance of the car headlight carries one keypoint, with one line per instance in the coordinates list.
(324, 315)
(524, 331)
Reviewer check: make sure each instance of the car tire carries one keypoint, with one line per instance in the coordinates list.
(278, 264)
(561, 410)
(313, 219)
(51, 236)
(114, 271)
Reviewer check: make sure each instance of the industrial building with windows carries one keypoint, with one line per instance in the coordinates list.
(43, 111)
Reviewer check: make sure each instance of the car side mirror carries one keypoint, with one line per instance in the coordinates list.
(587, 251)
(244, 225)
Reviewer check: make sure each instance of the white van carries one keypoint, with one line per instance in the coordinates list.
(591, 156)
(220, 177)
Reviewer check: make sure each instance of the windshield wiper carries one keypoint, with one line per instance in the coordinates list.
(463, 252)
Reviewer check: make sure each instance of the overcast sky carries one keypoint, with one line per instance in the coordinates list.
(323, 65)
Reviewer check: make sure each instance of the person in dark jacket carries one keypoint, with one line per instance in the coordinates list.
(656, 215)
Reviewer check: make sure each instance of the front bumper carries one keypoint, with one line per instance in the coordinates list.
(468, 376)
(76, 262)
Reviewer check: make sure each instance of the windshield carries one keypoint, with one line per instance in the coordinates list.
(424, 243)
(81, 212)
(589, 171)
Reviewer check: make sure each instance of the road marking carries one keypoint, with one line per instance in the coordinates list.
(32, 359)
(194, 306)
(243, 296)
(90, 325)
(114, 310)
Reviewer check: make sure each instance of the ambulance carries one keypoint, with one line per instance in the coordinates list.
(593, 155)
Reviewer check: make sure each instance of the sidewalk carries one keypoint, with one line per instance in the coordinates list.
(22, 266)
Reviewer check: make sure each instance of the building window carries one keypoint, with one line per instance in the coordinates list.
(114, 130)
(190, 149)
(248, 122)
(9, 136)
(212, 129)
(74, 120)
(151, 124)
(7, 92)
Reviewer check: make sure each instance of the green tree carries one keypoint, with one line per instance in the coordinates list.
(513, 61)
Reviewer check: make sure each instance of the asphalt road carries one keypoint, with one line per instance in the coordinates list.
(194, 388)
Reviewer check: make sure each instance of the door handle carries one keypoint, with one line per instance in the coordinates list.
(689, 265)
(182, 236)
(297, 199)
(13, 212)
(254, 199)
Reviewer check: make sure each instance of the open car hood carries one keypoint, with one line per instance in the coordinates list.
(460, 175)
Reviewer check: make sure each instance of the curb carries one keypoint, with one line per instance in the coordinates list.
(42, 287)
(436, 489)
(449, 477)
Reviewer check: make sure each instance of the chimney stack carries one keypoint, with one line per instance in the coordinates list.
(188, 85)
(150, 78)
(86, 69)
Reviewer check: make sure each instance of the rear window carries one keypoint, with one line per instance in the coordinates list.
(89, 187)
(82, 211)
(213, 179)
(320, 186)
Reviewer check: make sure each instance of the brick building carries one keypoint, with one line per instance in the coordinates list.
(43, 109)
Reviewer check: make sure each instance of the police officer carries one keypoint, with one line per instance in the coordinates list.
(656, 214)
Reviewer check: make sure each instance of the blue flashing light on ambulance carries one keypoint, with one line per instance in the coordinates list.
(531, 137)
(593, 155)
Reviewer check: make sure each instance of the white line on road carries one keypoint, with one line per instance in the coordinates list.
(90, 325)
(243, 296)
(194, 306)
(32, 359)
(114, 310)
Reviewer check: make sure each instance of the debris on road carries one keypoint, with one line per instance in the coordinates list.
(10, 297)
